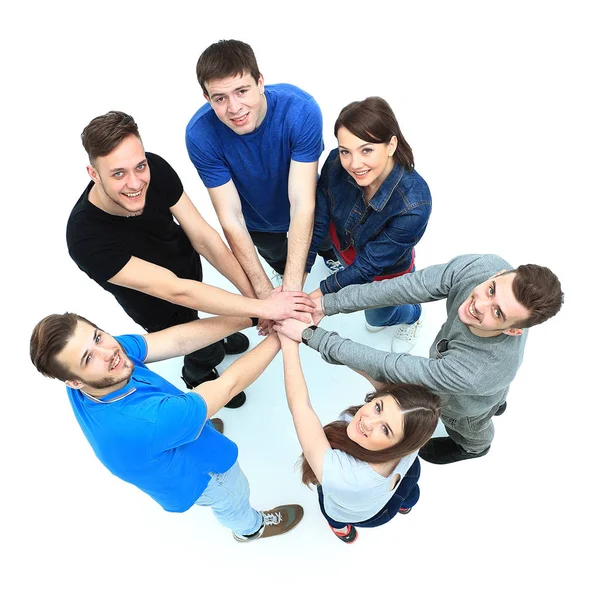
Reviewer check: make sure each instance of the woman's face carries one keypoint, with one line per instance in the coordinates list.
(378, 424)
(369, 163)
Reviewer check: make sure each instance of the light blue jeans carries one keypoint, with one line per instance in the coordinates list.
(228, 495)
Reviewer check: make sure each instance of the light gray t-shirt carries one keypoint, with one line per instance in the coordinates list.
(353, 490)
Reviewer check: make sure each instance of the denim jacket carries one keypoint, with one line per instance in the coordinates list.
(383, 233)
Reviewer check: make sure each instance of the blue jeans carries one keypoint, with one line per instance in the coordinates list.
(393, 315)
(406, 496)
(228, 495)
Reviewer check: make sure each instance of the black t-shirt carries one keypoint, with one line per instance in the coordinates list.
(102, 244)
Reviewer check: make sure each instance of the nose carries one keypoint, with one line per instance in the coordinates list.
(356, 162)
(133, 182)
(233, 105)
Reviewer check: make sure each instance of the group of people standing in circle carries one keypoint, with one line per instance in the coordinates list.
(138, 235)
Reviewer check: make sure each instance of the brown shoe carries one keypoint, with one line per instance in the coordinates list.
(275, 522)
(217, 424)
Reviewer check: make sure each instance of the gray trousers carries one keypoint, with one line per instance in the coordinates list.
(474, 434)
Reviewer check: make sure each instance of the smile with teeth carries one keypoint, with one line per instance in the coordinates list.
(471, 309)
(116, 362)
(240, 120)
(361, 173)
(131, 194)
(361, 429)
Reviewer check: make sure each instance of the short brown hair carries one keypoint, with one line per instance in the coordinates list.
(226, 58)
(49, 338)
(103, 134)
(372, 120)
(539, 291)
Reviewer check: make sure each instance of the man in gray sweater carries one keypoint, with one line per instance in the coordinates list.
(475, 355)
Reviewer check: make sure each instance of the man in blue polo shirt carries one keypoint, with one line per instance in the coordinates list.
(148, 432)
(256, 149)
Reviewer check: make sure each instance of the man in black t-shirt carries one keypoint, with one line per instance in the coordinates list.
(122, 233)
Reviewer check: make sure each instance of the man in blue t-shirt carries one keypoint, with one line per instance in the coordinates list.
(257, 150)
(148, 432)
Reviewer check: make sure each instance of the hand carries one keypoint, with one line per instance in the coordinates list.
(318, 314)
(291, 328)
(279, 305)
(265, 326)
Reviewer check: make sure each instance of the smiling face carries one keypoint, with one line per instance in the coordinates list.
(378, 424)
(491, 309)
(96, 360)
(369, 163)
(239, 102)
(122, 179)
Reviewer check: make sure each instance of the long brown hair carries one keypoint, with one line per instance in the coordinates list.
(420, 409)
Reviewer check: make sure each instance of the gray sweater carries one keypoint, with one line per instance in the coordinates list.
(471, 374)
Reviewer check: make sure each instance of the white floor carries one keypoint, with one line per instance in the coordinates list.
(494, 103)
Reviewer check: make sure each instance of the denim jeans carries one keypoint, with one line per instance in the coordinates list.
(228, 495)
(406, 496)
(474, 434)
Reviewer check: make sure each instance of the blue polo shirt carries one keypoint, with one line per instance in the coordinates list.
(151, 434)
(258, 162)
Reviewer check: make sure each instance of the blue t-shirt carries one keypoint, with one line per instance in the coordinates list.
(258, 162)
(154, 436)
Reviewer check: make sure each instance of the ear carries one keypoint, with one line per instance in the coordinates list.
(261, 83)
(93, 173)
(513, 331)
(75, 384)
(392, 146)
(206, 96)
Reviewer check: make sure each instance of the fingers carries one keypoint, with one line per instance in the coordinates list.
(302, 316)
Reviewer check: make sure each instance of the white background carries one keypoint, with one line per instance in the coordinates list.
(493, 99)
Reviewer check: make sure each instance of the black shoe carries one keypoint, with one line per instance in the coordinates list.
(348, 537)
(404, 511)
(236, 343)
(217, 424)
(443, 450)
(237, 401)
(501, 410)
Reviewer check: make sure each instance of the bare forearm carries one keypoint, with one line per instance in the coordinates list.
(219, 255)
(295, 385)
(245, 252)
(249, 367)
(188, 337)
(299, 240)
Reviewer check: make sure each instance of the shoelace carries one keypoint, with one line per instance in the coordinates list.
(407, 332)
(272, 518)
(334, 265)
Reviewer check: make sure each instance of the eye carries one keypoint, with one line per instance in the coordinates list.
(491, 289)
(118, 174)
(496, 313)
(385, 430)
(242, 92)
(220, 99)
(98, 338)
(344, 152)
(88, 358)
(377, 408)
(367, 150)
(141, 167)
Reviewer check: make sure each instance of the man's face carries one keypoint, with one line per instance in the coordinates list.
(239, 102)
(122, 178)
(492, 309)
(96, 359)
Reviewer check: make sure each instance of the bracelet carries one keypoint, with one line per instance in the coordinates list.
(254, 321)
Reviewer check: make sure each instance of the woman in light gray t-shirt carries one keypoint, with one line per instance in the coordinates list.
(365, 464)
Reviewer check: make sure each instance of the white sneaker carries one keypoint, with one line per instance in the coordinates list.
(374, 328)
(405, 337)
(334, 265)
(276, 278)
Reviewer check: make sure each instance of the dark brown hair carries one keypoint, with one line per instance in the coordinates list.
(48, 339)
(538, 290)
(103, 134)
(373, 120)
(420, 409)
(226, 58)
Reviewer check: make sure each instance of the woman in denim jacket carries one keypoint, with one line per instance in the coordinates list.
(375, 208)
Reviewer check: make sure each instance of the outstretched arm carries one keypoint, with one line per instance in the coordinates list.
(226, 202)
(157, 281)
(238, 376)
(310, 431)
(302, 185)
(208, 243)
(188, 337)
